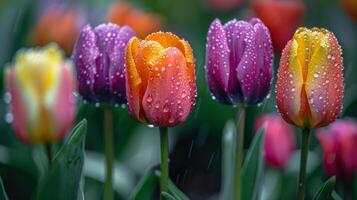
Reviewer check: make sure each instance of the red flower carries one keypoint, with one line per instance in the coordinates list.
(281, 17)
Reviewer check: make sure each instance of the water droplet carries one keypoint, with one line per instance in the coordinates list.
(9, 117)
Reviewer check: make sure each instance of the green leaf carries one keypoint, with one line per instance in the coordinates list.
(3, 195)
(228, 139)
(325, 190)
(252, 168)
(335, 196)
(173, 190)
(62, 181)
(145, 188)
(167, 196)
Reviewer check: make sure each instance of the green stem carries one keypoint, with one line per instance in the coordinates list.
(164, 157)
(108, 145)
(303, 162)
(48, 147)
(239, 151)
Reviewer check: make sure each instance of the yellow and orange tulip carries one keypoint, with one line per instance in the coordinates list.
(160, 79)
(310, 79)
(41, 86)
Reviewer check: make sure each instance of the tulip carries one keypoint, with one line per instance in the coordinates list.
(351, 8)
(310, 79)
(59, 25)
(339, 144)
(279, 140)
(141, 22)
(239, 70)
(41, 84)
(160, 85)
(99, 56)
(239, 61)
(160, 82)
(309, 88)
(281, 17)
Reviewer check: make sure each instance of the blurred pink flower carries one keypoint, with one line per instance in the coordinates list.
(279, 141)
(339, 144)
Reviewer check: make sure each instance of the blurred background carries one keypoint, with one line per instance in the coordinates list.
(196, 147)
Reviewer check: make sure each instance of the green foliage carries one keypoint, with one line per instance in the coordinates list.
(3, 195)
(253, 167)
(325, 190)
(62, 181)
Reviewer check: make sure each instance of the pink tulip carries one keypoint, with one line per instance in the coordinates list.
(279, 141)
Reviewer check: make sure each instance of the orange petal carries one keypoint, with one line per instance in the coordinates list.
(168, 99)
(134, 89)
(290, 85)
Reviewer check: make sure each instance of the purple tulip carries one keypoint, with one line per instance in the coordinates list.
(239, 61)
(99, 56)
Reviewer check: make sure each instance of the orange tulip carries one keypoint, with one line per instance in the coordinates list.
(141, 22)
(57, 25)
(310, 79)
(160, 79)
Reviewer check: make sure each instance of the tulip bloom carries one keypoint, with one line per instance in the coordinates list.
(41, 84)
(239, 61)
(99, 56)
(160, 79)
(339, 144)
(141, 22)
(58, 25)
(281, 17)
(279, 140)
(310, 79)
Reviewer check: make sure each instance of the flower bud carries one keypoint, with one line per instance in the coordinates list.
(99, 56)
(339, 144)
(279, 140)
(160, 79)
(239, 61)
(309, 88)
(41, 86)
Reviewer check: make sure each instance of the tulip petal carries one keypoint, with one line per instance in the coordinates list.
(117, 69)
(134, 90)
(236, 35)
(109, 77)
(84, 56)
(167, 100)
(65, 99)
(217, 62)
(264, 61)
(324, 83)
(18, 108)
(289, 86)
(255, 69)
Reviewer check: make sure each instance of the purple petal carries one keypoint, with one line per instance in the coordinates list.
(264, 61)
(84, 56)
(117, 64)
(255, 69)
(237, 32)
(217, 62)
